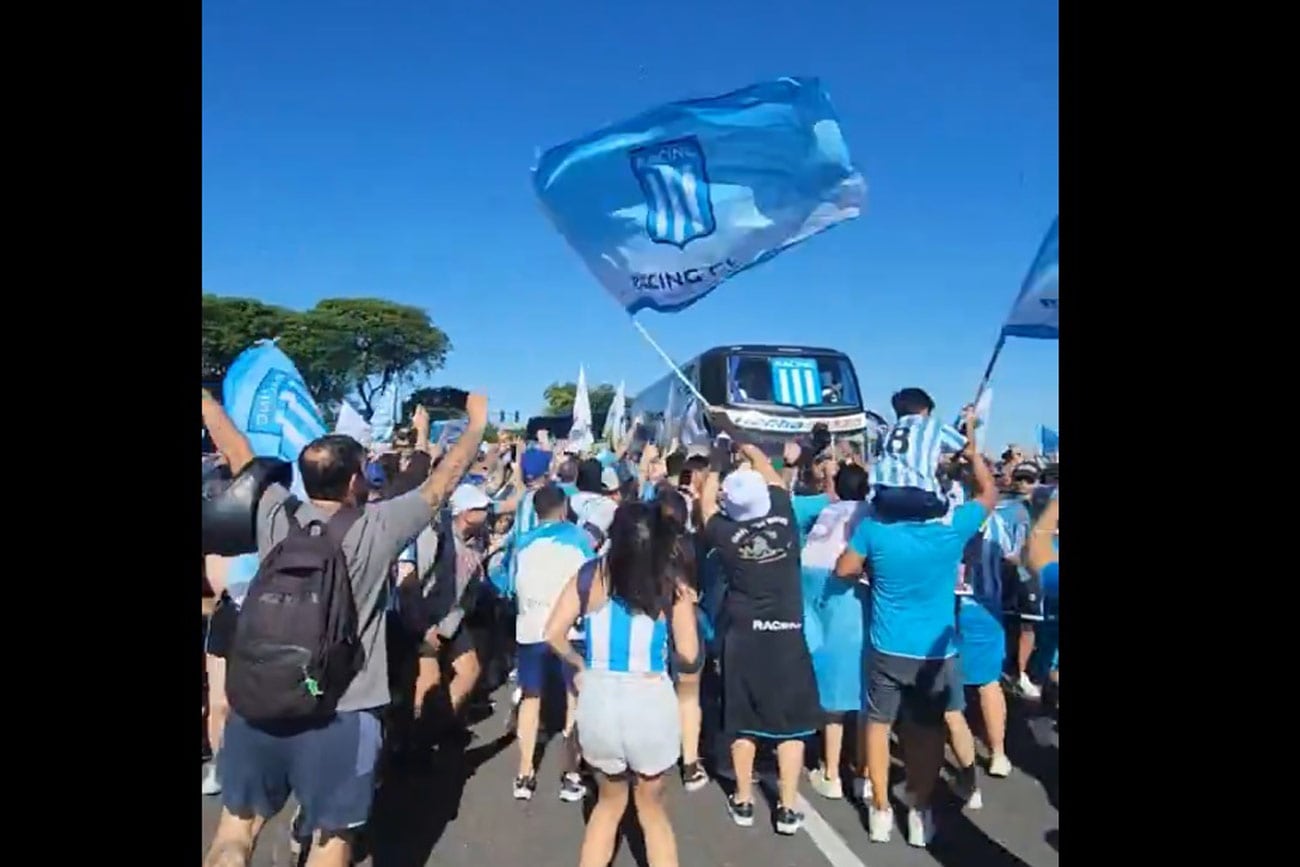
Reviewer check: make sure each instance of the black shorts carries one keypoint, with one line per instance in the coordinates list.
(768, 686)
(450, 649)
(920, 690)
(221, 628)
(1029, 598)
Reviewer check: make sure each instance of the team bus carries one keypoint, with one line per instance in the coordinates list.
(773, 393)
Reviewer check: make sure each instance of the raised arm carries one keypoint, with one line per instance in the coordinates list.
(444, 478)
(228, 439)
(986, 489)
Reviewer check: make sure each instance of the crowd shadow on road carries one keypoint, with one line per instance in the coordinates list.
(418, 801)
(420, 797)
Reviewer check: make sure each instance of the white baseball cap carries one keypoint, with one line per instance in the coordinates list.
(745, 496)
(609, 480)
(467, 498)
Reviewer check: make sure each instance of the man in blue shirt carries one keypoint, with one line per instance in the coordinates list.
(912, 565)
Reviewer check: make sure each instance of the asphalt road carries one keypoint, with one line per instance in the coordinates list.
(462, 814)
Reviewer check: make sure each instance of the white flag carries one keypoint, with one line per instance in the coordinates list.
(615, 424)
(580, 436)
(352, 424)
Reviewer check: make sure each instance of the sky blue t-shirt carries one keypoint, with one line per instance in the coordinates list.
(1052, 580)
(913, 566)
(806, 510)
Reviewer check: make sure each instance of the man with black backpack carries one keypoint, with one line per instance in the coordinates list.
(308, 664)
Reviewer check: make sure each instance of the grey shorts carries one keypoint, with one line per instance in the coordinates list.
(921, 690)
(628, 722)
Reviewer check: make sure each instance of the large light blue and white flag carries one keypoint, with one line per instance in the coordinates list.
(1035, 312)
(664, 207)
(580, 435)
(267, 399)
(615, 419)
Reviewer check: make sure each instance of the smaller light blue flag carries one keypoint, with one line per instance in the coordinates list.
(1035, 312)
(666, 206)
(1049, 442)
(267, 399)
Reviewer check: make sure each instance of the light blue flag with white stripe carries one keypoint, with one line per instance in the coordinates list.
(267, 399)
(1049, 441)
(666, 206)
(796, 381)
(1035, 312)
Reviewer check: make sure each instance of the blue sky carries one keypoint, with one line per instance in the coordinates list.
(383, 149)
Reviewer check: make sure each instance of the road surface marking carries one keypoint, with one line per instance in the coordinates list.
(826, 838)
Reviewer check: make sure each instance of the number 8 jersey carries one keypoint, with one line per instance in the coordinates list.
(910, 453)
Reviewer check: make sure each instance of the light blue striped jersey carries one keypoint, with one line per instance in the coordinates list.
(620, 641)
(910, 453)
(984, 570)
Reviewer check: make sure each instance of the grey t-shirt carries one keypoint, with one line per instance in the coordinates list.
(370, 547)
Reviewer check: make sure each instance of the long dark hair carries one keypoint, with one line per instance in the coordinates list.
(674, 511)
(642, 547)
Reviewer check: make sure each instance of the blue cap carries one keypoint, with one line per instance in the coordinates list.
(535, 463)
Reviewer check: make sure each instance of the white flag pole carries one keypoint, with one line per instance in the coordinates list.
(671, 366)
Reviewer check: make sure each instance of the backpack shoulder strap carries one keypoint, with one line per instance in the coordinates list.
(292, 505)
(586, 576)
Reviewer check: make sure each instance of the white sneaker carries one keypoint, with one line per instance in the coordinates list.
(880, 824)
(920, 827)
(1026, 688)
(825, 786)
(999, 765)
(975, 801)
(211, 785)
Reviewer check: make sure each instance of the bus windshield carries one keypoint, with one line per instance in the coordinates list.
(804, 381)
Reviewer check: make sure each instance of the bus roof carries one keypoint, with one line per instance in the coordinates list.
(770, 349)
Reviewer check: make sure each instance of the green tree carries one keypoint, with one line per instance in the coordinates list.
(231, 325)
(364, 345)
(559, 397)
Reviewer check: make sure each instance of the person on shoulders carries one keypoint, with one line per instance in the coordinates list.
(912, 668)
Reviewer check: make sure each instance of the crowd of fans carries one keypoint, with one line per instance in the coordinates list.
(689, 610)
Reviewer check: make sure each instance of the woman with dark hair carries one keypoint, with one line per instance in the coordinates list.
(627, 716)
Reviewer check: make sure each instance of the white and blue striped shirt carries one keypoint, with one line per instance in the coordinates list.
(984, 572)
(910, 453)
(620, 641)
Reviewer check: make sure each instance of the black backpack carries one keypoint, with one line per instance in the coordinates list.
(296, 645)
